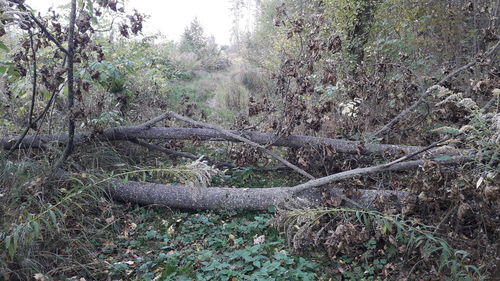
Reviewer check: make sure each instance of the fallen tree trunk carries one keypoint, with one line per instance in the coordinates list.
(139, 132)
(251, 199)
(309, 194)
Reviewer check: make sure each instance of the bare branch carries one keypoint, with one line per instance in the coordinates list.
(375, 169)
(242, 139)
(164, 150)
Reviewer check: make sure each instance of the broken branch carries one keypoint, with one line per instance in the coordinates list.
(242, 139)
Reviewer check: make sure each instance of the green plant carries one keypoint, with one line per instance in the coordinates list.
(212, 246)
(400, 237)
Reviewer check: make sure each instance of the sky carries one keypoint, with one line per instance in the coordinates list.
(170, 17)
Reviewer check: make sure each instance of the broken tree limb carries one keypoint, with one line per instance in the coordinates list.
(242, 139)
(187, 155)
(251, 199)
(376, 169)
(126, 133)
(373, 169)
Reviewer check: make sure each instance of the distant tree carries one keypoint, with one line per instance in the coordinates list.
(193, 39)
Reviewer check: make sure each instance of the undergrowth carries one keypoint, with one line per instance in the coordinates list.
(73, 230)
(369, 245)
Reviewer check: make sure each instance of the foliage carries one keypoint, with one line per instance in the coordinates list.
(203, 247)
(350, 235)
(139, 243)
(326, 68)
(194, 40)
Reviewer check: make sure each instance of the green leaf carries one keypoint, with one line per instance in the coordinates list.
(3, 47)
(7, 241)
(448, 130)
(36, 229)
(53, 217)
(443, 158)
(271, 209)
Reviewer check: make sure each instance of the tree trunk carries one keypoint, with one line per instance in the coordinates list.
(251, 199)
(293, 141)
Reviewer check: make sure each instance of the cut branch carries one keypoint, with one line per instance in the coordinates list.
(376, 169)
(309, 194)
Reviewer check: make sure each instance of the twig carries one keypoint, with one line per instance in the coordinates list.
(446, 217)
(47, 107)
(435, 144)
(242, 139)
(432, 88)
(152, 122)
(164, 149)
(180, 153)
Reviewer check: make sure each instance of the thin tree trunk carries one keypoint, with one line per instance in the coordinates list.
(71, 94)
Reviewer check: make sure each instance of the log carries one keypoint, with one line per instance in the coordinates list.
(250, 199)
(126, 133)
(306, 195)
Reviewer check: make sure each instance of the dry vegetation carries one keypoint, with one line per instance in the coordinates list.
(354, 71)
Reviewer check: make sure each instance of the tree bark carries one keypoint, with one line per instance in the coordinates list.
(71, 91)
(126, 133)
(250, 199)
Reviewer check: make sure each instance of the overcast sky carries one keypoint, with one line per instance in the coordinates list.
(172, 16)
